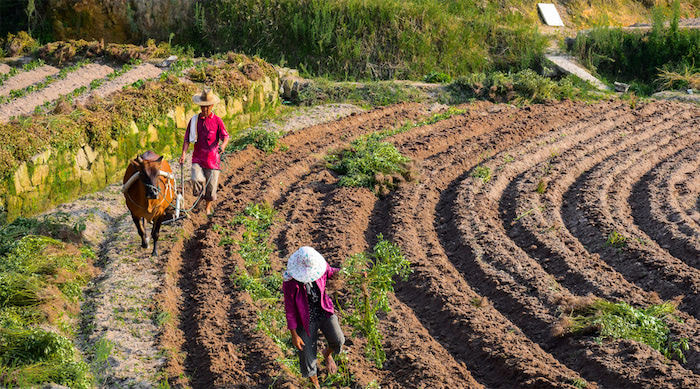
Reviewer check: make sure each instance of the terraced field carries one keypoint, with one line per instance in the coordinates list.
(493, 259)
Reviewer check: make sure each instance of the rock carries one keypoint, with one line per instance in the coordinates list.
(41, 158)
(21, 179)
(168, 61)
(621, 87)
(90, 153)
(81, 160)
(40, 174)
(152, 133)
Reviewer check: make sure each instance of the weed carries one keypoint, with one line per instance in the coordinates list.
(622, 321)
(482, 172)
(508, 158)
(616, 240)
(161, 318)
(369, 94)
(370, 278)
(437, 77)
(579, 383)
(541, 187)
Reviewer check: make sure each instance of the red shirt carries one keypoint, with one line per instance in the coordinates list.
(210, 131)
(296, 304)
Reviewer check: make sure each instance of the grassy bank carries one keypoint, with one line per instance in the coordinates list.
(374, 39)
(664, 57)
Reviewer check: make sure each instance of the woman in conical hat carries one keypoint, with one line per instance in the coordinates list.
(206, 131)
(309, 309)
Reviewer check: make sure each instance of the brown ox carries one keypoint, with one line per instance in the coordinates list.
(149, 189)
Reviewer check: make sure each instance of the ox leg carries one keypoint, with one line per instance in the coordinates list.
(139, 227)
(155, 232)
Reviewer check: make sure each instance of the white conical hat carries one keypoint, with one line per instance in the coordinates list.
(306, 265)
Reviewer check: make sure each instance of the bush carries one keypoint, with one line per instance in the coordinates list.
(377, 39)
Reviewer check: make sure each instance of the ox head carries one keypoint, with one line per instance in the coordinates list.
(149, 173)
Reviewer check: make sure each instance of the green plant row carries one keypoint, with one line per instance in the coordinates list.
(260, 138)
(622, 321)
(41, 282)
(27, 67)
(370, 277)
(62, 74)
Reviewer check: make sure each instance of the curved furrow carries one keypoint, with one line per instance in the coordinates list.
(438, 293)
(594, 208)
(656, 208)
(518, 285)
(540, 234)
(213, 339)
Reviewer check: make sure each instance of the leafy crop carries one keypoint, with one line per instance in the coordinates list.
(13, 71)
(616, 240)
(370, 278)
(622, 321)
(482, 172)
(63, 73)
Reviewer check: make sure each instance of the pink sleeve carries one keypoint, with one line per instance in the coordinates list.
(222, 130)
(290, 306)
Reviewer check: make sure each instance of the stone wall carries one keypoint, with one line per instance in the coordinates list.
(56, 176)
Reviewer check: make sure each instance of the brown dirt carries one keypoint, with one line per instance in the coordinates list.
(74, 80)
(493, 261)
(4, 68)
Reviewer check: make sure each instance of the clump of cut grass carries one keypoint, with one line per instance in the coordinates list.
(370, 277)
(482, 172)
(684, 77)
(260, 138)
(622, 321)
(368, 162)
(616, 240)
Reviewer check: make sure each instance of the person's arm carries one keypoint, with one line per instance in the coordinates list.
(223, 134)
(185, 144)
(290, 311)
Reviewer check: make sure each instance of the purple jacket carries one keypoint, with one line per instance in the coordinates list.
(296, 304)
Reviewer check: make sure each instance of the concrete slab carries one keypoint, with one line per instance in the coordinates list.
(549, 14)
(567, 64)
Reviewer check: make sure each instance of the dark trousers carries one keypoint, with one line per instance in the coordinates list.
(333, 334)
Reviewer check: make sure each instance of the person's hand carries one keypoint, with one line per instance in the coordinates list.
(182, 159)
(296, 341)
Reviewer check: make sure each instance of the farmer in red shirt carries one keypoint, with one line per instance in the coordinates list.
(205, 130)
(309, 309)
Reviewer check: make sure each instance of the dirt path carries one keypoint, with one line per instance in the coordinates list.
(4, 68)
(74, 80)
(23, 79)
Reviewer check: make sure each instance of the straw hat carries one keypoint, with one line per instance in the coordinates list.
(306, 265)
(207, 97)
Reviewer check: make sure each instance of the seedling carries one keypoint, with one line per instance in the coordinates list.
(482, 172)
(616, 240)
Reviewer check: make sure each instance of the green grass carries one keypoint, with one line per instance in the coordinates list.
(373, 39)
(616, 240)
(622, 321)
(369, 94)
(370, 278)
(641, 58)
(41, 281)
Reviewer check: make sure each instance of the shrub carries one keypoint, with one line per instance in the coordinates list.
(622, 321)
(370, 94)
(19, 44)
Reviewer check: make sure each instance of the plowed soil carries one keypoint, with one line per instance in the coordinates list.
(493, 260)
